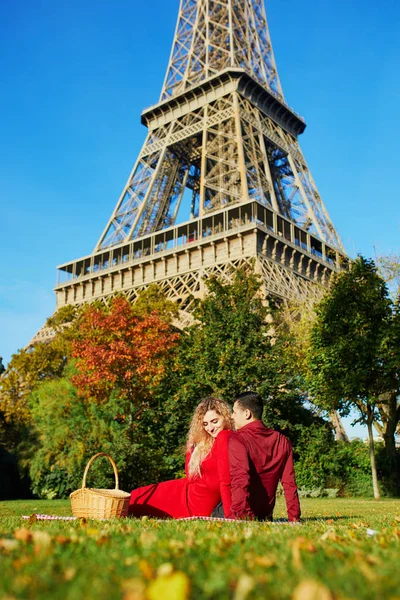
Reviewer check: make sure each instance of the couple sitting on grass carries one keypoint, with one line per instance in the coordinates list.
(229, 473)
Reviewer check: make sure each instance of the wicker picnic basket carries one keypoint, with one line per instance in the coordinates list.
(99, 504)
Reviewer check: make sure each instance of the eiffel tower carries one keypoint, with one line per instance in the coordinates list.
(222, 140)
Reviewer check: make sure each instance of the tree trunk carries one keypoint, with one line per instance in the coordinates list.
(370, 419)
(390, 417)
(340, 432)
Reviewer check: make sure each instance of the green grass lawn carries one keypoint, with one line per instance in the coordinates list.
(331, 556)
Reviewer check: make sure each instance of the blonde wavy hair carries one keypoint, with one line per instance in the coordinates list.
(200, 442)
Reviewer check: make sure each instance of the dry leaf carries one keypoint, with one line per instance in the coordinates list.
(177, 544)
(41, 540)
(146, 569)
(265, 561)
(62, 540)
(170, 587)
(69, 573)
(8, 545)
(312, 590)
(329, 535)
(23, 535)
(102, 540)
(133, 589)
(165, 569)
(247, 533)
(373, 560)
(298, 545)
(32, 519)
(244, 586)
(147, 539)
(359, 525)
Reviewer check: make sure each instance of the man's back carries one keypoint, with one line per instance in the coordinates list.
(259, 458)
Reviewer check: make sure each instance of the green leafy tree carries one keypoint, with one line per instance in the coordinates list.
(225, 351)
(234, 346)
(346, 361)
(29, 367)
(69, 430)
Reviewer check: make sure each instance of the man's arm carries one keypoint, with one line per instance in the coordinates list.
(290, 488)
(240, 479)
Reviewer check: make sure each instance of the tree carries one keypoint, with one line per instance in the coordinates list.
(118, 351)
(67, 430)
(347, 364)
(234, 346)
(225, 350)
(389, 269)
(30, 366)
(296, 319)
(2, 367)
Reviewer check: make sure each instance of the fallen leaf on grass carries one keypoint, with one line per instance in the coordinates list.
(8, 545)
(396, 533)
(133, 589)
(147, 539)
(146, 569)
(244, 586)
(175, 586)
(62, 540)
(102, 540)
(265, 561)
(335, 552)
(23, 535)
(69, 573)
(359, 525)
(247, 533)
(330, 535)
(165, 569)
(312, 590)
(32, 519)
(177, 545)
(301, 544)
(41, 541)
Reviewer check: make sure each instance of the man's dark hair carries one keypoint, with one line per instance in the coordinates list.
(252, 402)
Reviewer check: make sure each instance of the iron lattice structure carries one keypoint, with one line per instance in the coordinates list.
(223, 139)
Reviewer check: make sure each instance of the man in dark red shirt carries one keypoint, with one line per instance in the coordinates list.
(259, 458)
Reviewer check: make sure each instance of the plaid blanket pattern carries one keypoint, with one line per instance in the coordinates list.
(49, 518)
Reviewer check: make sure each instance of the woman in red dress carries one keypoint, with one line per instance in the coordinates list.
(207, 480)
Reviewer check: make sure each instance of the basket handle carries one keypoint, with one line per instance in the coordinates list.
(114, 466)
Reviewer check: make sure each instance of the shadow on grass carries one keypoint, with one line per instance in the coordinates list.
(333, 518)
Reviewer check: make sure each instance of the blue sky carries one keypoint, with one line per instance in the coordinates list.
(75, 77)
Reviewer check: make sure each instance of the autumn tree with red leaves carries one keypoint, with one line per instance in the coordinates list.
(120, 351)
